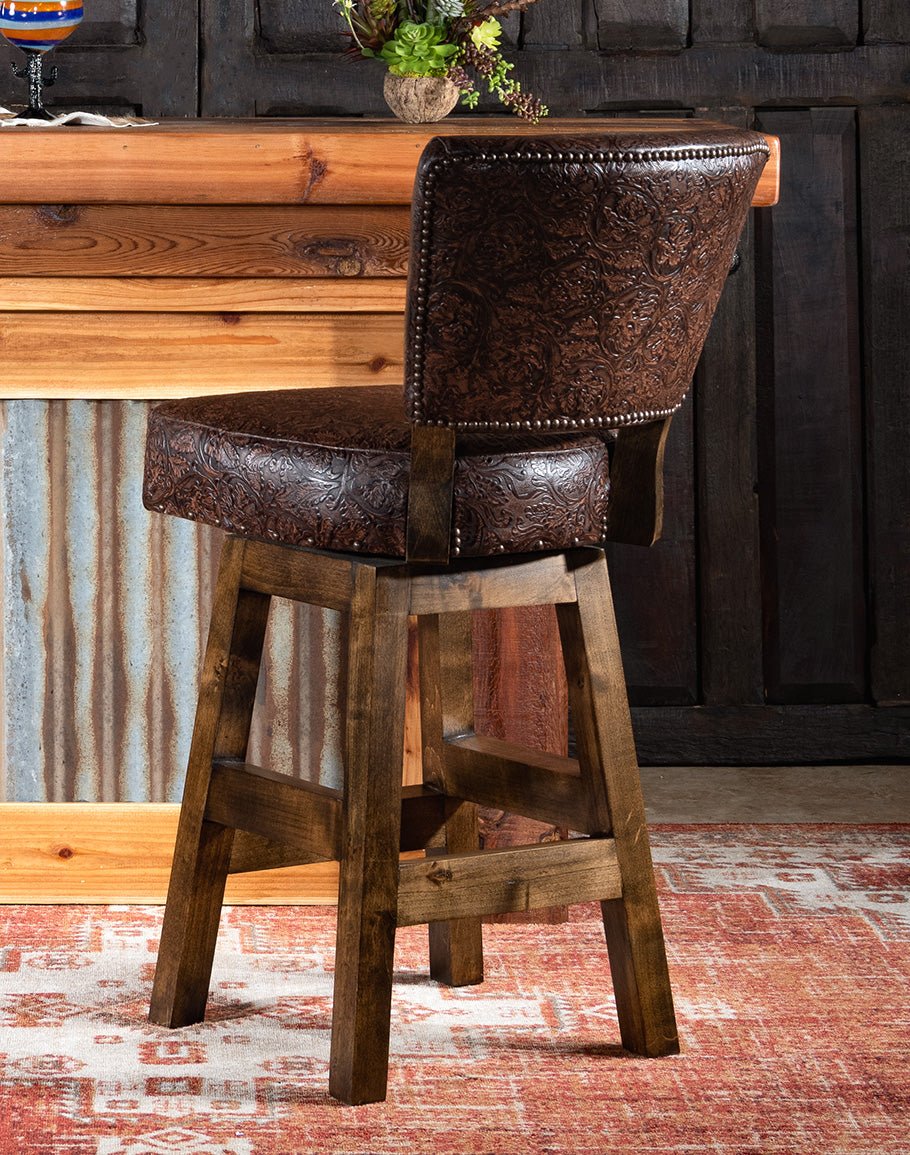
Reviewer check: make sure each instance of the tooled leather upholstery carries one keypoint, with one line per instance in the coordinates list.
(569, 283)
(329, 469)
(557, 286)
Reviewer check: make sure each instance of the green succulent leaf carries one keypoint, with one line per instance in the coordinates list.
(418, 50)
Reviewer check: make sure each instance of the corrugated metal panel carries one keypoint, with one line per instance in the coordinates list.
(104, 615)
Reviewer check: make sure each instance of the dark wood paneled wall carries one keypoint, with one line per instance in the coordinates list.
(771, 624)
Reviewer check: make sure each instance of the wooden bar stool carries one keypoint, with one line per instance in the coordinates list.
(560, 290)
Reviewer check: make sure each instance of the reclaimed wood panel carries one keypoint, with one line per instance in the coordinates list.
(886, 22)
(558, 25)
(111, 240)
(706, 75)
(729, 559)
(810, 418)
(299, 26)
(110, 355)
(771, 735)
(807, 23)
(316, 163)
(655, 589)
(637, 24)
(722, 21)
(199, 295)
(885, 181)
(109, 22)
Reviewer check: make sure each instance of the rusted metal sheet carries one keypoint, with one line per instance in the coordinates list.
(104, 611)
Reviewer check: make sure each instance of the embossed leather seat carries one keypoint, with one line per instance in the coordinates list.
(329, 469)
(558, 289)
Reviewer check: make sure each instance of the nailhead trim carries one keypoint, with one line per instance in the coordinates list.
(425, 231)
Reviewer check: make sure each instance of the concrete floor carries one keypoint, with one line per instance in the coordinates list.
(777, 794)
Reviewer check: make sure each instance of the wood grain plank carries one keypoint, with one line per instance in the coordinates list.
(202, 854)
(609, 770)
(810, 418)
(723, 21)
(729, 560)
(95, 853)
(199, 295)
(113, 240)
(276, 807)
(885, 178)
(660, 641)
(644, 24)
(772, 735)
(807, 23)
(886, 22)
(513, 880)
(521, 697)
(637, 484)
(530, 581)
(508, 777)
(553, 25)
(446, 709)
(431, 494)
(108, 355)
(371, 827)
(353, 163)
(300, 575)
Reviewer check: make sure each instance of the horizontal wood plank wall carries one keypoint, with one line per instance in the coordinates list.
(87, 853)
(167, 355)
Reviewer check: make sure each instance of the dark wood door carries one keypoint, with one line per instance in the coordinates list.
(771, 623)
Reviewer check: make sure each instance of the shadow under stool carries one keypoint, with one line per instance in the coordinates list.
(559, 297)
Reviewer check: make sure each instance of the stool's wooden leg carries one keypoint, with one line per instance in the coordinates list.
(371, 833)
(606, 749)
(203, 850)
(447, 708)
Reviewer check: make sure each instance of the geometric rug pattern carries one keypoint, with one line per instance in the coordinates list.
(790, 956)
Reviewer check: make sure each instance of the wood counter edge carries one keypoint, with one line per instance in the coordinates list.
(252, 162)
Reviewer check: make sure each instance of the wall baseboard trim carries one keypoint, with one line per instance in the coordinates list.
(98, 853)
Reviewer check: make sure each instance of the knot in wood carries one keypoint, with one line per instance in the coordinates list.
(439, 874)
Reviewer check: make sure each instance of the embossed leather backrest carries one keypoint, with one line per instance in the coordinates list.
(569, 283)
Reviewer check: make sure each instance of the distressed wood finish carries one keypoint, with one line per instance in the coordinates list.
(507, 881)
(726, 466)
(885, 178)
(446, 711)
(240, 817)
(637, 484)
(810, 455)
(609, 772)
(367, 897)
(508, 777)
(431, 493)
(203, 851)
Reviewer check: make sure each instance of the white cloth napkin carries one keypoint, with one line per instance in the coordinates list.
(9, 119)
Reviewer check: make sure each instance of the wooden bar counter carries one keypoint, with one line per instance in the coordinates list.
(218, 256)
(202, 255)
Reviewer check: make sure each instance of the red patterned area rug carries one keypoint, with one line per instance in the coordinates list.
(790, 962)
